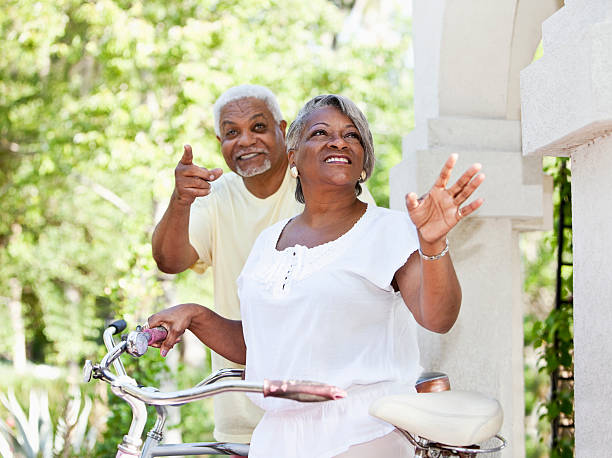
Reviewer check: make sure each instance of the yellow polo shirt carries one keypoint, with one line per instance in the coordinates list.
(223, 227)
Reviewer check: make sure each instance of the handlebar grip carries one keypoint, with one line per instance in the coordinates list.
(155, 335)
(119, 326)
(303, 391)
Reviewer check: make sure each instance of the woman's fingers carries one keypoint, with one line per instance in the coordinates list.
(464, 180)
(447, 168)
(467, 190)
(465, 211)
(173, 337)
(165, 348)
(166, 319)
(167, 344)
(442, 207)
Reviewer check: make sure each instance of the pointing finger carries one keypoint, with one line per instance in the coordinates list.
(187, 158)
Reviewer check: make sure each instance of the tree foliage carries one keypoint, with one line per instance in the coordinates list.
(97, 99)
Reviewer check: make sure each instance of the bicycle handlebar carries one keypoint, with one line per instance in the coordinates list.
(136, 344)
(302, 391)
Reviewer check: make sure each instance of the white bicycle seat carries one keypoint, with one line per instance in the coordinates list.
(457, 418)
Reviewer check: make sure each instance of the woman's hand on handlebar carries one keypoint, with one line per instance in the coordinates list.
(221, 335)
(176, 320)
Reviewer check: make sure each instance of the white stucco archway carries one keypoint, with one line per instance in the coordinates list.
(468, 56)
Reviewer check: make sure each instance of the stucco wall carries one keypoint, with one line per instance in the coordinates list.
(592, 234)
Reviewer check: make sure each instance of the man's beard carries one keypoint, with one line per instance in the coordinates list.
(253, 171)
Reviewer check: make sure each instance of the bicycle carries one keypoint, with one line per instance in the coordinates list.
(438, 422)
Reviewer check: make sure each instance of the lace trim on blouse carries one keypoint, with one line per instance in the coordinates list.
(295, 263)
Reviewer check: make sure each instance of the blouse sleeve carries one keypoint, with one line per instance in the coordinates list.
(388, 245)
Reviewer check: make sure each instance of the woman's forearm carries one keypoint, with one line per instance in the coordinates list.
(439, 294)
(431, 290)
(221, 335)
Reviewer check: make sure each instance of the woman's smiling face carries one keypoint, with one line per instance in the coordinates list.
(330, 149)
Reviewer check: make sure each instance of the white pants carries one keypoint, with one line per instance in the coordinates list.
(393, 445)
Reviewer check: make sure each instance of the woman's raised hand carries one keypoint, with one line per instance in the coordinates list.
(438, 211)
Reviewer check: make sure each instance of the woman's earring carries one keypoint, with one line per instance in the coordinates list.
(363, 176)
(293, 171)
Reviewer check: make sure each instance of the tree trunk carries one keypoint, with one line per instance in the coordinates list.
(15, 312)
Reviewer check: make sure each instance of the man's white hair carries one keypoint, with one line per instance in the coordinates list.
(241, 92)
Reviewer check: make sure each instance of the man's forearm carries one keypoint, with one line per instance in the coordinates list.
(221, 335)
(172, 250)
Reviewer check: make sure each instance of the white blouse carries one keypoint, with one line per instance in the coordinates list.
(329, 314)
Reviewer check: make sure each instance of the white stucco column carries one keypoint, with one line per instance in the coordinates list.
(567, 110)
(468, 55)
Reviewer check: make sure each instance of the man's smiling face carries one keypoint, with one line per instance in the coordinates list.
(252, 142)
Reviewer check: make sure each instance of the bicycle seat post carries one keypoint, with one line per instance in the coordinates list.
(421, 449)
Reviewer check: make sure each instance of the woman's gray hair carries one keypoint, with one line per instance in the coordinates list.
(346, 106)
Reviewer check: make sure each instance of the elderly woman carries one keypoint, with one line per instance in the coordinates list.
(334, 294)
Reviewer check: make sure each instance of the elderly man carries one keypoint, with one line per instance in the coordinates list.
(214, 219)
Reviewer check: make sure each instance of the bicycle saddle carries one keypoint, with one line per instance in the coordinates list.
(457, 418)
